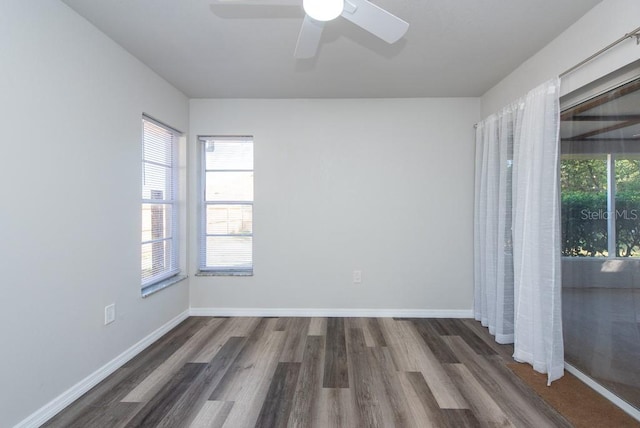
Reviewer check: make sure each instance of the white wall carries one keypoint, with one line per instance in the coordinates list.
(602, 25)
(384, 186)
(70, 107)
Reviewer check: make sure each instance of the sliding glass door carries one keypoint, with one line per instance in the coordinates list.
(600, 180)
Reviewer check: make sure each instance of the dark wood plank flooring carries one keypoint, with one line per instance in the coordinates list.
(315, 372)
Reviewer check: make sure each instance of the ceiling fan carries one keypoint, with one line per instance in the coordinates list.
(363, 13)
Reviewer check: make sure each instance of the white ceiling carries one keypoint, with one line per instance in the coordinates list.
(453, 47)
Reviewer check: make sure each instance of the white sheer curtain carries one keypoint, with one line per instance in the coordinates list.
(493, 249)
(517, 229)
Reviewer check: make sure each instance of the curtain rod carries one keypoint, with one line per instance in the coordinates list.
(635, 33)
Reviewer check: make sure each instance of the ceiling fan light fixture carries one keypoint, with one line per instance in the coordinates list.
(323, 10)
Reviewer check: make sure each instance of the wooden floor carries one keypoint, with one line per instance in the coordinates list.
(315, 372)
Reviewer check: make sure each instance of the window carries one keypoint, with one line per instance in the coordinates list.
(600, 175)
(159, 255)
(226, 244)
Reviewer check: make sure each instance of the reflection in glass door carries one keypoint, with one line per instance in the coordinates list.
(600, 180)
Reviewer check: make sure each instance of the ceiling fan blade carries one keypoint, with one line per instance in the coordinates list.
(258, 2)
(309, 38)
(375, 20)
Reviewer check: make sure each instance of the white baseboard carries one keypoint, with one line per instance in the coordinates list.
(626, 407)
(318, 312)
(52, 408)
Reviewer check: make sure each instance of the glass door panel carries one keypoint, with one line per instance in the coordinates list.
(600, 180)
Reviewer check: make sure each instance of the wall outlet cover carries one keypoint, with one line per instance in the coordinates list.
(357, 276)
(109, 313)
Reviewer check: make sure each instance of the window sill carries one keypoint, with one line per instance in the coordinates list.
(154, 288)
(223, 273)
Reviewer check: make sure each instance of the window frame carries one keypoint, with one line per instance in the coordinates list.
(171, 274)
(203, 269)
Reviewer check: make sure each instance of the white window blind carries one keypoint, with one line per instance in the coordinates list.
(226, 244)
(159, 255)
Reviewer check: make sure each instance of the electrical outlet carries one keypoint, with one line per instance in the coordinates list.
(357, 277)
(109, 313)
